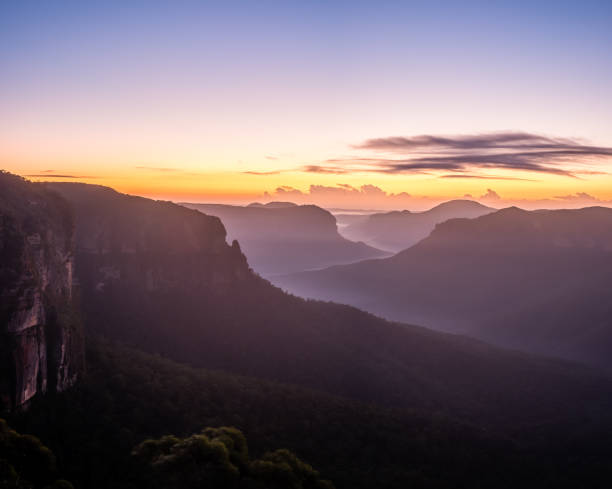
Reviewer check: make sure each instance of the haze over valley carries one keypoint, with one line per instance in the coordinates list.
(281, 237)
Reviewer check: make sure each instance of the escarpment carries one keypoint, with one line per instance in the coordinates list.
(41, 346)
(142, 263)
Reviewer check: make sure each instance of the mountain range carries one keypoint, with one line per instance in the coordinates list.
(161, 277)
(537, 281)
(182, 334)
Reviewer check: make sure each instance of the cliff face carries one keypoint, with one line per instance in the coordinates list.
(156, 246)
(40, 336)
(140, 263)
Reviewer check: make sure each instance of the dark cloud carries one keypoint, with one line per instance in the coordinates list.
(467, 156)
(498, 140)
(508, 150)
(334, 170)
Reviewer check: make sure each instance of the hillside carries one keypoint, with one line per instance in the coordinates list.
(367, 401)
(397, 230)
(136, 396)
(281, 237)
(537, 281)
(146, 280)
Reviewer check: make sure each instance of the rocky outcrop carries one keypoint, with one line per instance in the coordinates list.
(40, 335)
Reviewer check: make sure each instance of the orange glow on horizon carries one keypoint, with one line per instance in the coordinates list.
(342, 191)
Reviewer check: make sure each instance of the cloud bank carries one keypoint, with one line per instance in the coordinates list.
(371, 197)
(343, 195)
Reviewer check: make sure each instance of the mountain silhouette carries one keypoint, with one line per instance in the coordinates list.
(161, 277)
(538, 281)
(398, 230)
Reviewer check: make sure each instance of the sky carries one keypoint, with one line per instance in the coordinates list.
(344, 104)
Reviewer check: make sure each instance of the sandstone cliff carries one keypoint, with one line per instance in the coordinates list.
(40, 334)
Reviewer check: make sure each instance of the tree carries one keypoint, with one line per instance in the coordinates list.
(25, 463)
(219, 457)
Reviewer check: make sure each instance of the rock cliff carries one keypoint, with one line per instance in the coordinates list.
(40, 335)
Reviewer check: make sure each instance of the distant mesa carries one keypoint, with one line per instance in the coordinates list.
(397, 230)
(282, 237)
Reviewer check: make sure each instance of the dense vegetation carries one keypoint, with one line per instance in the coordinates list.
(219, 457)
(25, 463)
(129, 396)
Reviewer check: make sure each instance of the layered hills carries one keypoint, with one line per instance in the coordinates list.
(210, 343)
(281, 237)
(537, 281)
(397, 230)
(160, 277)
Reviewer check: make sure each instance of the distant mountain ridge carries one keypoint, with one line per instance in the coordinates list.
(398, 230)
(533, 280)
(282, 237)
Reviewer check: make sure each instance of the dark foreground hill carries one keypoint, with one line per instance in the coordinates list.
(539, 281)
(395, 231)
(128, 396)
(281, 237)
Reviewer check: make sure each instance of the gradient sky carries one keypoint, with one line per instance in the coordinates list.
(225, 101)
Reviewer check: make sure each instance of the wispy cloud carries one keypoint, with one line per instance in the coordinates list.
(156, 168)
(263, 173)
(465, 156)
(517, 151)
(497, 140)
(487, 177)
(49, 174)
